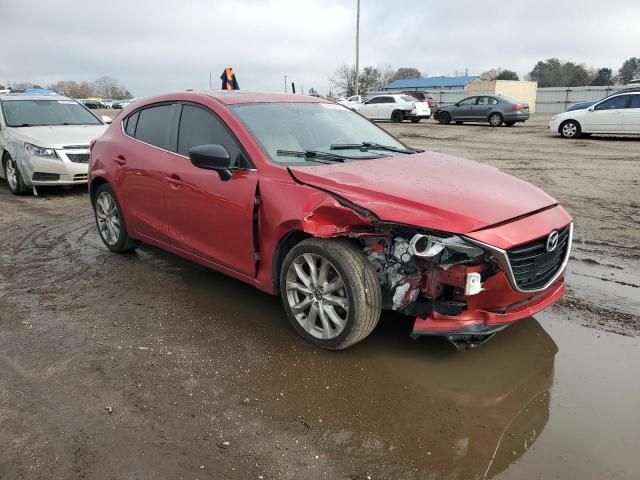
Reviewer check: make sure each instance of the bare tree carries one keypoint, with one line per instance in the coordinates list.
(499, 74)
(344, 80)
(73, 89)
(386, 74)
(110, 87)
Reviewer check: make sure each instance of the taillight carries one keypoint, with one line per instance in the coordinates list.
(516, 107)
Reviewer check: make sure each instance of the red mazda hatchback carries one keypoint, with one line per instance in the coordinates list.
(307, 199)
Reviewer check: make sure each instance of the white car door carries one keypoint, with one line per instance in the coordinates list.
(369, 109)
(606, 116)
(631, 115)
(386, 107)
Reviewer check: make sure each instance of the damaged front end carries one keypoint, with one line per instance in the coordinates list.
(454, 288)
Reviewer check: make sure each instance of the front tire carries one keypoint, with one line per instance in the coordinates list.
(495, 119)
(444, 118)
(330, 292)
(110, 221)
(12, 175)
(570, 129)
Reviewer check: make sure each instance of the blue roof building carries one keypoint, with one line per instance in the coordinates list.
(435, 83)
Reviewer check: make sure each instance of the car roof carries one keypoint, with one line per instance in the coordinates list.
(31, 96)
(234, 97)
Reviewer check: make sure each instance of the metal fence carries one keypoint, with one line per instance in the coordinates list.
(549, 100)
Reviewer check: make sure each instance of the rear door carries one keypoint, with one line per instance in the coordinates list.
(607, 116)
(631, 115)
(143, 158)
(483, 108)
(385, 107)
(207, 216)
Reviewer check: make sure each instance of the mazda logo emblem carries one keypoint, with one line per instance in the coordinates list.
(552, 241)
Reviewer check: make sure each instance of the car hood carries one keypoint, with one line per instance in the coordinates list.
(58, 136)
(429, 190)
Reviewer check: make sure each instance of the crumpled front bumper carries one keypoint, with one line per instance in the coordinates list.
(479, 321)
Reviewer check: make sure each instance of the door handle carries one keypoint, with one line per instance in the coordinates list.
(120, 159)
(174, 180)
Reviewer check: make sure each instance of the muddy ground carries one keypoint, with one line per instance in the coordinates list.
(147, 366)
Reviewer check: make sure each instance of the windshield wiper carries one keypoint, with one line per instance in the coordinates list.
(321, 157)
(366, 146)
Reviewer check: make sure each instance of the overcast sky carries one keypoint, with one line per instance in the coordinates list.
(158, 46)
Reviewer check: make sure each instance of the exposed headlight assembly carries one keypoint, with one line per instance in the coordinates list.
(36, 151)
(429, 246)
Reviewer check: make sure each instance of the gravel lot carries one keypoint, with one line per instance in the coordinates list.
(148, 366)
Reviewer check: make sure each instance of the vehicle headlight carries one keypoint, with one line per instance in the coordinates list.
(36, 151)
(430, 246)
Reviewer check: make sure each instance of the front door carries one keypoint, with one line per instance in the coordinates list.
(464, 109)
(207, 216)
(606, 116)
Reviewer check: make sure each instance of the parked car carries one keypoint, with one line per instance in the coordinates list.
(107, 103)
(304, 198)
(495, 109)
(616, 114)
(393, 107)
(120, 104)
(579, 106)
(92, 103)
(351, 101)
(424, 97)
(44, 140)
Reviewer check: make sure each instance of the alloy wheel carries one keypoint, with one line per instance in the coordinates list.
(108, 218)
(11, 174)
(317, 296)
(569, 130)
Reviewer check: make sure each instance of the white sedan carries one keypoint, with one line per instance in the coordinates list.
(617, 114)
(44, 140)
(393, 107)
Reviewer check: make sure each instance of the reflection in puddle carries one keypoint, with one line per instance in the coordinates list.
(520, 406)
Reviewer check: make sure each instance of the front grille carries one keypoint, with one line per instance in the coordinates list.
(78, 157)
(532, 266)
(80, 176)
(45, 177)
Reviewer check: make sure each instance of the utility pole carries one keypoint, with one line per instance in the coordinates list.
(285, 84)
(357, 47)
(210, 84)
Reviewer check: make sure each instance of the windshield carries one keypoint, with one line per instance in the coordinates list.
(310, 127)
(31, 113)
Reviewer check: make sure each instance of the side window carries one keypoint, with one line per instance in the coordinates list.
(483, 101)
(492, 101)
(614, 103)
(201, 127)
(388, 100)
(374, 100)
(635, 101)
(468, 101)
(130, 124)
(153, 126)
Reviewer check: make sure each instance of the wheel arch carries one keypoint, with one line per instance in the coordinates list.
(572, 119)
(286, 243)
(93, 187)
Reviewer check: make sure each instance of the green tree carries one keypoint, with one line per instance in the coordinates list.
(604, 76)
(406, 73)
(507, 75)
(554, 73)
(499, 74)
(630, 70)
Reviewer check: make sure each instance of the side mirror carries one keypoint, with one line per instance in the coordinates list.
(591, 108)
(106, 119)
(212, 157)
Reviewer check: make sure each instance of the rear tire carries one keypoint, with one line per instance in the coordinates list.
(570, 129)
(12, 175)
(444, 118)
(330, 292)
(110, 221)
(397, 116)
(495, 119)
